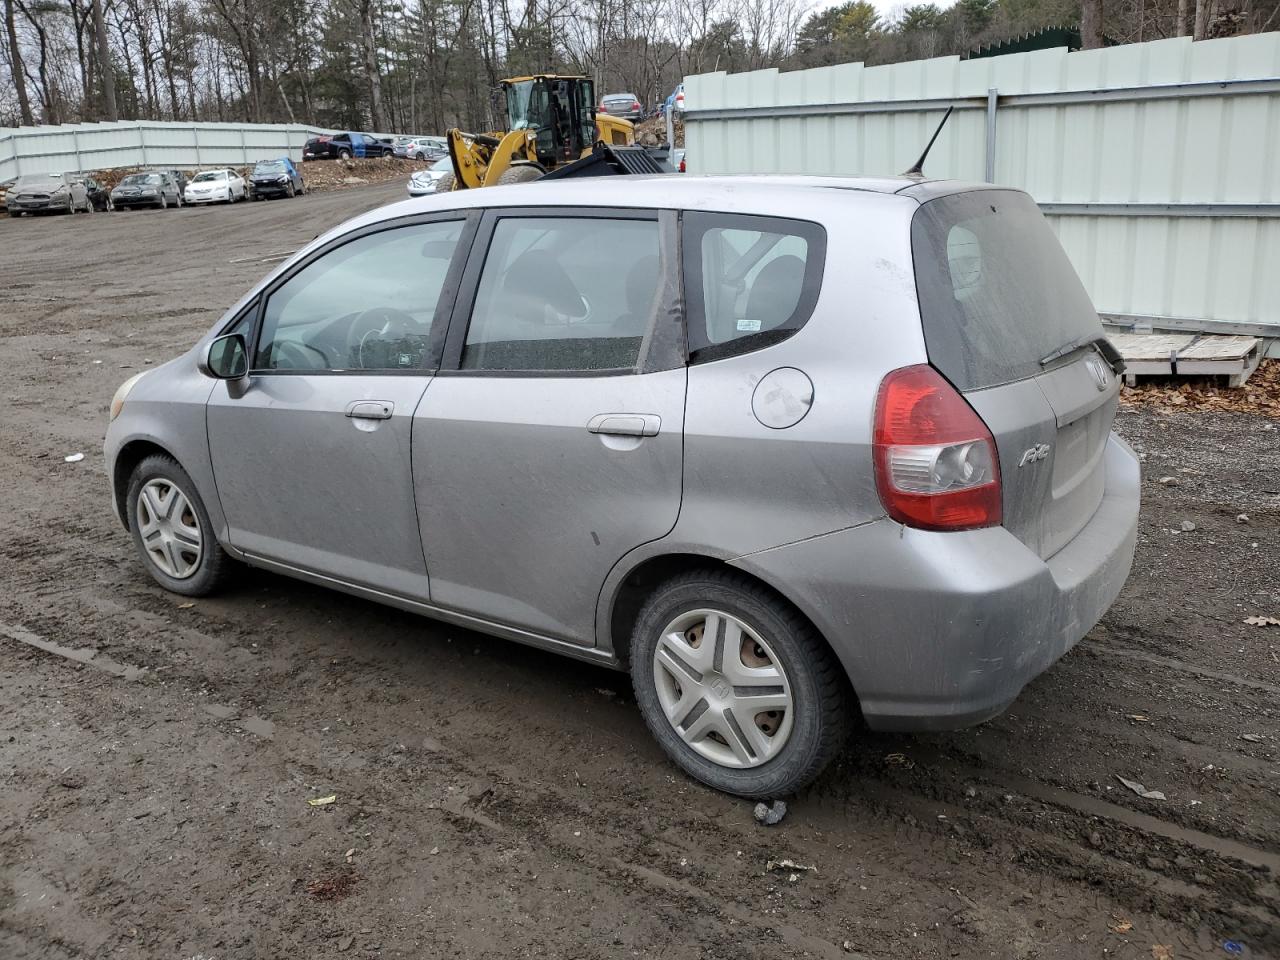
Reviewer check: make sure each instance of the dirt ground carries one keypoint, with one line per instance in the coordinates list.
(157, 756)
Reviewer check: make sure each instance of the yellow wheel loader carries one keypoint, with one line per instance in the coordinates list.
(553, 130)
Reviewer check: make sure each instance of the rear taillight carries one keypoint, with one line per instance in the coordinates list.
(635, 105)
(936, 464)
(682, 165)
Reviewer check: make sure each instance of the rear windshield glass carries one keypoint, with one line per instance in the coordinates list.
(997, 292)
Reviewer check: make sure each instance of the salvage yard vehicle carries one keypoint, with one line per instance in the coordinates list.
(47, 193)
(215, 186)
(99, 196)
(275, 178)
(344, 146)
(423, 182)
(845, 446)
(156, 189)
(624, 105)
(420, 148)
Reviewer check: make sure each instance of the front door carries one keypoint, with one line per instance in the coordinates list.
(311, 453)
(551, 443)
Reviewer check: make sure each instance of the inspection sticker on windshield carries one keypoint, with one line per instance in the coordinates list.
(751, 325)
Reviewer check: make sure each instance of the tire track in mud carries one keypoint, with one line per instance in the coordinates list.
(1233, 890)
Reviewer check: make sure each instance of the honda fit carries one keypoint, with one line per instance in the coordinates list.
(792, 451)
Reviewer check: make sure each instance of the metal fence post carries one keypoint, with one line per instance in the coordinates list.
(993, 95)
(195, 135)
(142, 142)
(75, 145)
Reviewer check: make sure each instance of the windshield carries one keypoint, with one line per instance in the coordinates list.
(41, 180)
(272, 166)
(136, 179)
(521, 105)
(209, 175)
(443, 164)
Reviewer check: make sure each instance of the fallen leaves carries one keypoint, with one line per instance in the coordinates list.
(1260, 393)
(333, 886)
(1120, 924)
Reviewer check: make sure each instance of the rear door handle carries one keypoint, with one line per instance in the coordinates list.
(626, 424)
(371, 409)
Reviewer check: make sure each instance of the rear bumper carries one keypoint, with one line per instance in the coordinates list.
(943, 630)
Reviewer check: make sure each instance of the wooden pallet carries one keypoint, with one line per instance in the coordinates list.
(1188, 355)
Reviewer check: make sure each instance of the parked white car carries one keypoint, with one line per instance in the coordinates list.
(215, 186)
(428, 181)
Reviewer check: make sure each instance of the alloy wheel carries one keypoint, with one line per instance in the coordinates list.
(722, 688)
(170, 529)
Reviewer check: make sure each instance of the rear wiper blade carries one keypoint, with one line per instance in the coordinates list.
(1102, 345)
(1070, 348)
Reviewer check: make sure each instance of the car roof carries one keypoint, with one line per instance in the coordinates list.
(796, 197)
(727, 192)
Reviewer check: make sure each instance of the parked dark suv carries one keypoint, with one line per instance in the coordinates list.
(275, 178)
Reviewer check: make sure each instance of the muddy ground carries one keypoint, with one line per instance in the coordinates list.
(157, 756)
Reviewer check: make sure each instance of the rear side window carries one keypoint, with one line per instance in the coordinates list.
(997, 292)
(564, 293)
(751, 281)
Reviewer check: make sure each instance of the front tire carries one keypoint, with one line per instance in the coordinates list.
(522, 173)
(171, 529)
(344, 154)
(736, 685)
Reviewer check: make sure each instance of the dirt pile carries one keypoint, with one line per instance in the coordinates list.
(323, 175)
(653, 131)
(319, 175)
(1260, 394)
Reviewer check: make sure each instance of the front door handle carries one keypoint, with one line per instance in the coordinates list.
(626, 424)
(371, 409)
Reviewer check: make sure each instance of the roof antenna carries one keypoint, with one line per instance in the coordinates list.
(917, 169)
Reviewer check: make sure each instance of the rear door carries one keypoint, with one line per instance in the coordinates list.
(1008, 322)
(551, 442)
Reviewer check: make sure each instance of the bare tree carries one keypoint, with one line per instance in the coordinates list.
(16, 66)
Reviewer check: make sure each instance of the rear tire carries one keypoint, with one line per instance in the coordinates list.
(344, 154)
(522, 173)
(194, 571)
(792, 741)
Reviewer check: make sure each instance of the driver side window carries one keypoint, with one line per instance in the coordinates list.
(366, 305)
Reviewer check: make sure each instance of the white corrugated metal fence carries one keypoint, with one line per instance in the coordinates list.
(100, 146)
(1158, 163)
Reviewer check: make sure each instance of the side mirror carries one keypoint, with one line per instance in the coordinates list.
(227, 358)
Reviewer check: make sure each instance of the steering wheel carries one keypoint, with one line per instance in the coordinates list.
(381, 323)
(292, 355)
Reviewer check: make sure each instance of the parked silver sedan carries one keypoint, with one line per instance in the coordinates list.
(47, 193)
(788, 449)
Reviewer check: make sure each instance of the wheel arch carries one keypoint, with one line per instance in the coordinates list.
(127, 460)
(631, 583)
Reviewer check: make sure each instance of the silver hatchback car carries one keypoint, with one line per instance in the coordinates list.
(788, 449)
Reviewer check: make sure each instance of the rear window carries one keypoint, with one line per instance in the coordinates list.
(997, 292)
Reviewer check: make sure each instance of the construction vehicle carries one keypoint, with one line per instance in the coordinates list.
(553, 130)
